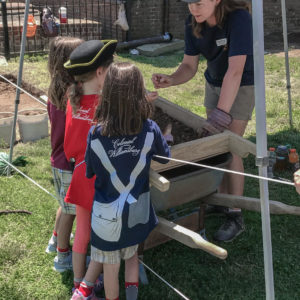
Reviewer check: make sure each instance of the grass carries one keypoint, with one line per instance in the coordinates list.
(26, 271)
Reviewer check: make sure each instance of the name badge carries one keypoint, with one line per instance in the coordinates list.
(221, 42)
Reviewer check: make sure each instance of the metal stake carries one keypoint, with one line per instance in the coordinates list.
(19, 82)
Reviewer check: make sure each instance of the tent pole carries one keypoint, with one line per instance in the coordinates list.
(287, 66)
(19, 82)
(261, 141)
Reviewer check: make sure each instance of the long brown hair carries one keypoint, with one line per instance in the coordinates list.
(60, 49)
(124, 106)
(221, 12)
(75, 90)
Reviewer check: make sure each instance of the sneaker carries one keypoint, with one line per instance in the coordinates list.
(64, 263)
(52, 245)
(78, 296)
(233, 226)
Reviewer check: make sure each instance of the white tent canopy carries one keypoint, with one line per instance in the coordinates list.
(258, 44)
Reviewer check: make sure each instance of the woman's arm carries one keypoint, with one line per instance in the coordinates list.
(231, 82)
(184, 73)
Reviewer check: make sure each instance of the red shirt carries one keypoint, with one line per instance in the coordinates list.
(81, 190)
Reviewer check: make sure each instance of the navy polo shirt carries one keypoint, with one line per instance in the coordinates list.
(217, 44)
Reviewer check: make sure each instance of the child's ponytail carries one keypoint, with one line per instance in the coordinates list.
(75, 92)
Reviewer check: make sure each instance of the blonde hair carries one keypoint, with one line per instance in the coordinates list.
(60, 49)
(221, 12)
(124, 106)
(75, 90)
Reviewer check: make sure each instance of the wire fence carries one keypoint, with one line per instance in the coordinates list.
(91, 19)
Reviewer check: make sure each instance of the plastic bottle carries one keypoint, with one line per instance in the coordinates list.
(272, 162)
(63, 15)
(294, 160)
(282, 154)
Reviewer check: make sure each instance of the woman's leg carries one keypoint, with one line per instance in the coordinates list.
(234, 185)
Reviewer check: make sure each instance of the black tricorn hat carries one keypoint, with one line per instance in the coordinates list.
(89, 55)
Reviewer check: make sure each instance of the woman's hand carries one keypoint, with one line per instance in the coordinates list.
(162, 81)
(151, 96)
(217, 121)
(297, 181)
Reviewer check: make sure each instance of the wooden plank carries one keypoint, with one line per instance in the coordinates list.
(240, 146)
(156, 238)
(253, 204)
(189, 238)
(196, 150)
(181, 114)
(160, 182)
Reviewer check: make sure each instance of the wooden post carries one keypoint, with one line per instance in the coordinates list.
(252, 204)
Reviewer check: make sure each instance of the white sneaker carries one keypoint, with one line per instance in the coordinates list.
(52, 245)
(63, 263)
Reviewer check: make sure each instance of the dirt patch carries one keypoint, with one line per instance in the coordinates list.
(29, 106)
(8, 97)
(181, 133)
(292, 53)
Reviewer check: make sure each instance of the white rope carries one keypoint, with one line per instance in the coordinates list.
(286, 182)
(226, 170)
(27, 177)
(167, 283)
(23, 91)
(38, 185)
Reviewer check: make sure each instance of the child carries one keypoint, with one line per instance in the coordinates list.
(88, 64)
(60, 50)
(119, 153)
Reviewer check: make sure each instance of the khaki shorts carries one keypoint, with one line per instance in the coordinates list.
(62, 180)
(243, 105)
(112, 257)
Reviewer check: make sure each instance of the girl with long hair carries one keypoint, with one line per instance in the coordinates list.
(59, 52)
(119, 152)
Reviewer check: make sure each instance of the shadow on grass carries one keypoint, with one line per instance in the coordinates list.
(169, 60)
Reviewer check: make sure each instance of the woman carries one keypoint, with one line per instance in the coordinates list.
(221, 31)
